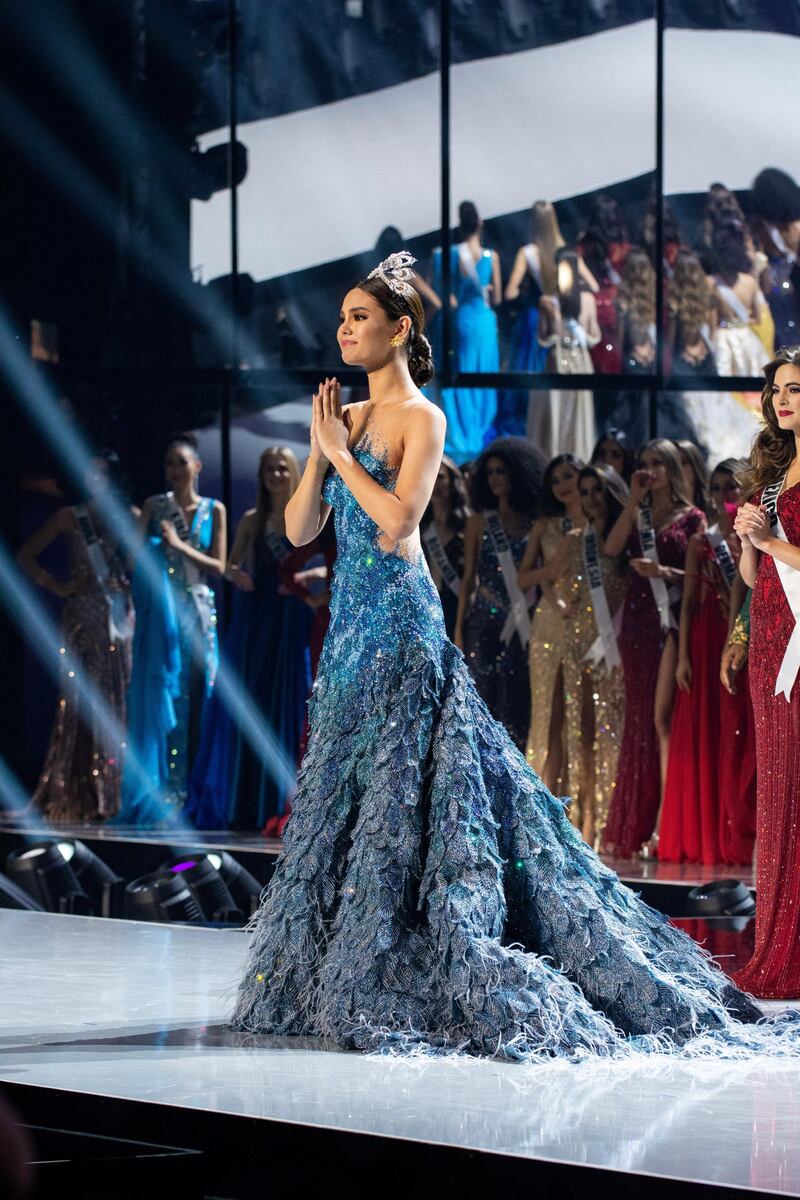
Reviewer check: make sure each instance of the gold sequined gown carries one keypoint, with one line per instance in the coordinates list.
(546, 657)
(594, 696)
(80, 779)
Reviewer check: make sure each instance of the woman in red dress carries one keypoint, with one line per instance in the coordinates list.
(774, 970)
(647, 640)
(709, 798)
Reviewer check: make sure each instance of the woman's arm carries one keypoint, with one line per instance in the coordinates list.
(683, 669)
(589, 318)
(528, 575)
(587, 275)
(397, 513)
(497, 280)
(239, 551)
(753, 527)
(212, 563)
(426, 291)
(60, 523)
(518, 272)
(623, 527)
(473, 532)
(307, 512)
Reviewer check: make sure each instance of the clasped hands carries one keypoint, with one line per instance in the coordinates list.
(329, 425)
(752, 523)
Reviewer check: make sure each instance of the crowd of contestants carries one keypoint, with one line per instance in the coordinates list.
(731, 294)
(642, 721)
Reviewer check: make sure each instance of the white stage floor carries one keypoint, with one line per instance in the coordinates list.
(138, 1011)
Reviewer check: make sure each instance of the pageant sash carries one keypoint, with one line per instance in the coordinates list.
(120, 622)
(737, 306)
(470, 268)
(605, 644)
(201, 592)
(790, 581)
(277, 547)
(439, 555)
(518, 618)
(647, 536)
(722, 554)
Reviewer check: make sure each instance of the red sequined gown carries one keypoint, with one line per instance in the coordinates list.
(634, 804)
(710, 794)
(774, 970)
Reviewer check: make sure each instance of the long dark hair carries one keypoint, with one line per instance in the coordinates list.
(615, 490)
(606, 224)
(550, 506)
(469, 220)
(525, 467)
(774, 448)
(457, 498)
(418, 348)
(621, 438)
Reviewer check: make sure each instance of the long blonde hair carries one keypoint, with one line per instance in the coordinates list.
(264, 501)
(774, 448)
(670, 456)
(547, 237)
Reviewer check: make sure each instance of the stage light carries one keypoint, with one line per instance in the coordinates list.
(202, 875)
(103, 887)
(720, 898)
(162, 896)
(244, 887)
(43, 872)
(12, 896)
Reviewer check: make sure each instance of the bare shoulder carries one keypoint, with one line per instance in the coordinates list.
(424, 414)
(218, 506)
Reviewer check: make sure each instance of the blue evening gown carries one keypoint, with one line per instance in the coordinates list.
(169, 683)
(432, 896)
(470, 412)
(266, 648)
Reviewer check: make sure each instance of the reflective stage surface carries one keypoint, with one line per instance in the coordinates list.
(137, 1011)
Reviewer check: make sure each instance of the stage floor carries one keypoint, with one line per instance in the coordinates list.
(137, 1011)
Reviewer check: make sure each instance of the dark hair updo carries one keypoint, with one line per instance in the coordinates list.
(469, 220)
(395, 305)
(183, 437)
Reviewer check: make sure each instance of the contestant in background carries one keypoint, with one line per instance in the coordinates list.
(492, 621)
(769, 526)
(692, 316)
(695, 472)
(266, 648)
(613, 449)
(655, 527)
(745, 333)
(604, 248)
(593, 686)
(443, 541)
(636, 308)
(476, 291)
(562, 422)
(80, 779)
(545, 564)
(708, 814)
(175, 651)
(775, 203)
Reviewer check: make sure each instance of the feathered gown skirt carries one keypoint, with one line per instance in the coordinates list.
(432, 895)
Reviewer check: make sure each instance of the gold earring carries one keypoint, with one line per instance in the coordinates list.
(397, 340)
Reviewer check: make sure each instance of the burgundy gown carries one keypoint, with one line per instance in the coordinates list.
(710, 794)
(634, 804)
(773, 972)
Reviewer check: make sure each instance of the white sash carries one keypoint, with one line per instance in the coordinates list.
(605, 644)
(790, 581)
(518, 618)
(120, 618)
(201, 592)
(439, 555)
(733, 302)
(534, 265)
(647, 536)
(471, 270)
(722, 554)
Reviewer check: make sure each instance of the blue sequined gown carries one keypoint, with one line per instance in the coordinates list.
(431, 895)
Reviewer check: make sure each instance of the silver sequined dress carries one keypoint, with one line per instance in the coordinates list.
(431, 895)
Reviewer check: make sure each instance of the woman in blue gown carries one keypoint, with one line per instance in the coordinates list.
(174, 641)
(476, 290)
(235, 784)
(431, 894)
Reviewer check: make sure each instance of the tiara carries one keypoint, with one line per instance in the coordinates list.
(396, 273)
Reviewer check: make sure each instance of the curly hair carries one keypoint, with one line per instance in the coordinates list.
(689, 298)
(774, 448)
(550, 506)
(525, 467)
(636, 297)
(457, 498)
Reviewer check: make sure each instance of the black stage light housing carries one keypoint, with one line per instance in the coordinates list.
(162, 897)
(210, 890)
(44, 873)
(12, 896)
(244, 887)
(721, 898)
(103, 886)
